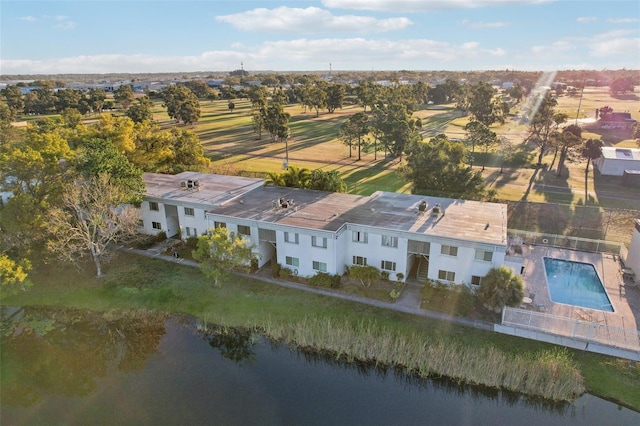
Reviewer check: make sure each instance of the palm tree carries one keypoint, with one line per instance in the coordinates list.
(592, 150)
(296, 177)
(275, 178)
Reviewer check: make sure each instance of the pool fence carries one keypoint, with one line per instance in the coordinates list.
(572, 243)
(585, 334)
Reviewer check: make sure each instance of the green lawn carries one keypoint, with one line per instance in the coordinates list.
(141, 283)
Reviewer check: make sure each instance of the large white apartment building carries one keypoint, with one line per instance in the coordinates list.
(454, 241)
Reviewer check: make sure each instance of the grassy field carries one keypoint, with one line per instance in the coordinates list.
(604, 209)
(142, 283)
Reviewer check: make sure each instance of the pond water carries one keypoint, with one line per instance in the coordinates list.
(75, 367)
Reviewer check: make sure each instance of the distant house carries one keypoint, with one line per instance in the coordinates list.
(453, 241)
(607, 119)
(614, 161)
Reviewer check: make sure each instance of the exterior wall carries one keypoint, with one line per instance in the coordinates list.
(615, 167)
(374, 251)
(464, 264)
(633, 257)
(172, 219)
(149, 216)
(305, 252)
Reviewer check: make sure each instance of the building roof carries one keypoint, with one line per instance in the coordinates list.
(249, 199)
(211, 190)
(621, 153)
(329, 211)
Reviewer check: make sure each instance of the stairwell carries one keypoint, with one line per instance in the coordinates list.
(423, 269)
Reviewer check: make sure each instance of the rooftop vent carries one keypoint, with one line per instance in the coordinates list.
(423, 206)
(436, 210)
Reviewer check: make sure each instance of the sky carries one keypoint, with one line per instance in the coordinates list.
(79, 37)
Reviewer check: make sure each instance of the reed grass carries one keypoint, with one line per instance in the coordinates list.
(549, 374)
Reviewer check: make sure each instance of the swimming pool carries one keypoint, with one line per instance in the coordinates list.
(576, 283)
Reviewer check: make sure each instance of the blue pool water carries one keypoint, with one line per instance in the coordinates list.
(576, 283)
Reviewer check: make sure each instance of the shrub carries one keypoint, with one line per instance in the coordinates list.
(254, 265)
(321, 279)
(399, 276)
(366, 274)
(161, 236)
(336, 281)
(191, 243)
(285, 273)
(275, 269)
(384, 275)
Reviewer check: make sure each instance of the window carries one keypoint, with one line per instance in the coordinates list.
(475, 280)
(319, 242)
(484, 255)
(140, 223)
(388, 241)
(319, 266)
(219, 224)
(244, 230)
(359, 260)
(449, 250)
(191, 232)
(292, 261)
(156, 225)
(388, 265)
(153, 206)
(188, 211)
(446, 275)
(291, 237)
(360, 237)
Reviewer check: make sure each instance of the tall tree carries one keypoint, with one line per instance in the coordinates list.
(182, 104)
(480, 135)
(438, 168)
(100, 157)
(484, 107)
(141, 110)
(14, 99)
(570, 138)
(316, 98)
(96, 99)
(276, 121)
(353, 131)
(92, 217)
(335, 97)
(591, 151)
(124, 96)
(221, 251)
(542, 124)
(367, 92)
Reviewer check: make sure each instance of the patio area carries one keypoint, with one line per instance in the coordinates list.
(623, 293)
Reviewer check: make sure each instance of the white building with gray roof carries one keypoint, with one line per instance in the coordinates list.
(455, 241)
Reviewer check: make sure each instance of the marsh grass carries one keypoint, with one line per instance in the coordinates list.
(549, 374)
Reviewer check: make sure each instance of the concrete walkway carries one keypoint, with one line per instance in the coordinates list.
(408, 302)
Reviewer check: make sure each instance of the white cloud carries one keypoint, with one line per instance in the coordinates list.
(300, 54)
(28, 18)
(480, 25)
(554, 48)
(623, 20)
(586, 19)
(421, 5)
(615, 44)
(309, 20)
(65, 25)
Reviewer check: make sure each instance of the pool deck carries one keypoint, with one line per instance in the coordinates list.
(624, 296)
